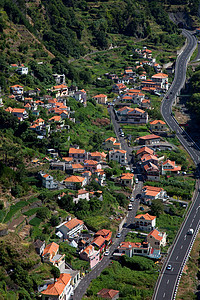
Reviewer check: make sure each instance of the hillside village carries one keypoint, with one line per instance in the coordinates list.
(86, 176)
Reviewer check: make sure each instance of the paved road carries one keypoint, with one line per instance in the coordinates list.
(84, 283)
(168, 281)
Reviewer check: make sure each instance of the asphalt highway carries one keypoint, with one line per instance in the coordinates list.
(168, 280)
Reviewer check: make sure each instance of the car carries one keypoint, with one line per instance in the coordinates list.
(141, 208)
(169, 267)
(167, 97)
(107, 252)
(132, 199)
(130, 207)
(136, 180)
(118, 235)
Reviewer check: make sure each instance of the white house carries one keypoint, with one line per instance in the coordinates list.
(162, 80)
(157, 239)
(145, 222)
(60, 289)
(82, 194)
(47, 181)
(150, 193)
(70, 228)
(118, 155)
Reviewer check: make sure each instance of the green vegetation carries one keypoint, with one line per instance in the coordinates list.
(131, 277)
(176, 186)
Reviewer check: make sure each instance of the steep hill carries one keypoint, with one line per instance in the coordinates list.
(54, 31)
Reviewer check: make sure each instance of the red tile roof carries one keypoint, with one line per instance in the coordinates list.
(156, 234)
(52, 249)
(107, 293)
(73, 223)
(144, 149)
(56, 289)
(146, 217)
(149, 137)
(76, 151)
(157, 122)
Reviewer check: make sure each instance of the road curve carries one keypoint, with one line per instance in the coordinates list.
(167, 284)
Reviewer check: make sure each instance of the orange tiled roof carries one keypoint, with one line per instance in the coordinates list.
(156, 234)
(74, 179)
(103, 232)
(67, 158)
(17, 86)
(147, 157)
(51, 249)
(60, 86)
(112, 139)
(146, 217)
(137, 110)
(152, 188)
(127, 176)
(77, 166)
(118, 150)
(88, 249)
(157, 122)
(76, 151)
(107, 293)
(144, 149)
(160, 75)
(56, 288)
(149, 137)
(55, 118)
(99, 240)
(91, 162)
(100, 96)
(73, 223)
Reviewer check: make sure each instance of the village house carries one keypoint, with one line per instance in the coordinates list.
(111, 143)
(101, 176)
(136, 116)
(22, 70)
(98, 156)
(101, 98)
(157, 239)
(59, 78)
(118, 155)
(20, 113)
(150, 193)
(158, 125)
(87, 175)
(119, 88)
(47, 181)
(61, 289)
(150, 139)
(39, 246)
(146, 158)
(145, 103)
(123, 111)
(81, 194)
(91, 255)
(77, 168)
(60, 90)
(170, 166)
(152, 172)
(99, 243)
(130, 249)
(17, 89)
(145, 222)
(73, 182)
(127, 179)
(51, 255)
(70, 228)
(106, 234)
(91, 165)
(142, 151)
(108, 294)
(81, 97)
(79, 155)
(162, 80)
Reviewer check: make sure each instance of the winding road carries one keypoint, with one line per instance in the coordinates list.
(167, 284)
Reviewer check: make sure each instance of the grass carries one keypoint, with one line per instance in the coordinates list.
(2, 215)
(132, 284)
(31, 211)
(14, 209)
(97, 222)
(35, 222)
(169, 224)
(133, 238)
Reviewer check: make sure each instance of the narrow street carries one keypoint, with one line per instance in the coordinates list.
(85, 281)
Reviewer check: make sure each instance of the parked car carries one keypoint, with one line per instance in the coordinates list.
(107, 252)
(118, 235)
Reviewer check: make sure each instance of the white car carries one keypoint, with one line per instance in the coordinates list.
(107, 252)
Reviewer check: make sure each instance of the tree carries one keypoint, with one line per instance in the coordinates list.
(54, 221)
(43, 213)
(55, 272)
(157, 207)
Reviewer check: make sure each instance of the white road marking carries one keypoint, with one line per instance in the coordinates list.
(177, 257)
(181, 246)
(168, 281)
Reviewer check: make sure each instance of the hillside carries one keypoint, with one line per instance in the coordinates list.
(56, 32)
